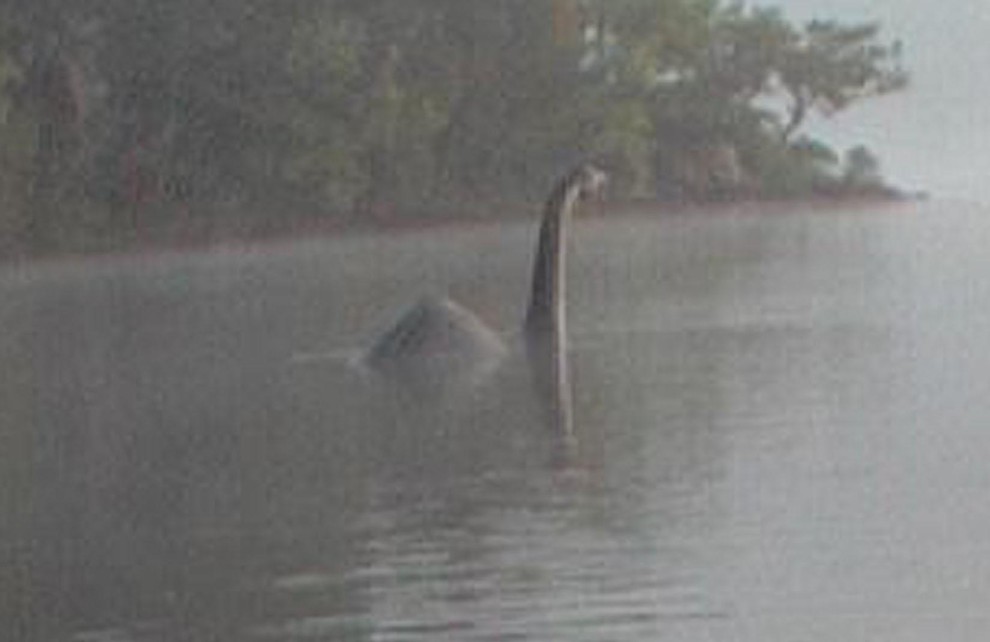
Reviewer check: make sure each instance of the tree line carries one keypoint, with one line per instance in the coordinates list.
(130, 120)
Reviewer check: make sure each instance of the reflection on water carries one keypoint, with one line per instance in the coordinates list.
(778, 433)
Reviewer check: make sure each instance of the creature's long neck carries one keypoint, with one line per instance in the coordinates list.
(546, 315)
(546, 334)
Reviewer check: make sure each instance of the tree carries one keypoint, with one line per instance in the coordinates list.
(124, 119)
(830, 66)
(43, 54)
(862, 168)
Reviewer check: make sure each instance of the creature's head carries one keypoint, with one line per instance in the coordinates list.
(591, 182)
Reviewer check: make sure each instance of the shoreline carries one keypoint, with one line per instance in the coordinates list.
(182, 243)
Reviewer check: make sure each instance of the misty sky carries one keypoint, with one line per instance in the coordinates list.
(936, 135)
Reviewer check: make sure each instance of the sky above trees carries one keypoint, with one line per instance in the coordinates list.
(935, 135)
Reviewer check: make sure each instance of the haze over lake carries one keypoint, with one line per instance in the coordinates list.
(779, 412)
(780, 428)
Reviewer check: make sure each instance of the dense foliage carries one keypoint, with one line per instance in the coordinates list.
(131, 120)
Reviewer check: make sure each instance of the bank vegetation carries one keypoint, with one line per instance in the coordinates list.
(140, 121)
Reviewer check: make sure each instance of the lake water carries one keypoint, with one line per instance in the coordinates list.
(780, 433)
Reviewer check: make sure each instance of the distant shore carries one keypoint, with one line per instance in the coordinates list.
(220, 236)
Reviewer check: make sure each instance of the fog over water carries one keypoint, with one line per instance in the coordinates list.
(779, 420)
(934, 136)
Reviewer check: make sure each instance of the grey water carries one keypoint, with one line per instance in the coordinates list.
(780, 433)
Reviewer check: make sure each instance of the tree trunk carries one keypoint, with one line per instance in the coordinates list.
(798, 112)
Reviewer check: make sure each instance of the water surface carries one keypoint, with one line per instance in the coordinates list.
(780, 433)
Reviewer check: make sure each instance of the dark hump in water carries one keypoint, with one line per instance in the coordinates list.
(438, 334)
